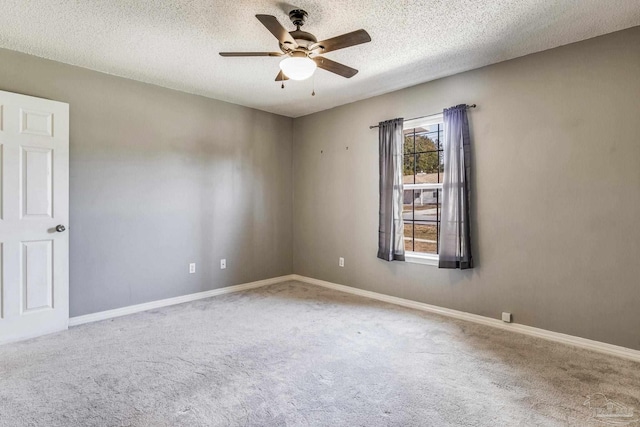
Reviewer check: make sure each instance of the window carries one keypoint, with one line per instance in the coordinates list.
(423, 170)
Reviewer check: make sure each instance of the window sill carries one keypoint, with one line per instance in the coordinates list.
(418, 258)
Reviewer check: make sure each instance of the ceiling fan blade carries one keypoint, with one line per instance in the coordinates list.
(280, 77)
(335, 67)
(340, 42)
(251, 54)
(277, 30)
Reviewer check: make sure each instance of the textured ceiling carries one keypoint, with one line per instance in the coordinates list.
(175, 43)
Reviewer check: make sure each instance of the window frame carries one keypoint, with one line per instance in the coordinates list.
(423, 257)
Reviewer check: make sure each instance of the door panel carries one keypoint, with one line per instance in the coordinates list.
(37, 280)
(1, 285)
(1, 186)
(36, 122)
(34, 199)
(36, 182)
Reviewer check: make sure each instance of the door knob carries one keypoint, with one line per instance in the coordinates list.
(60, 228)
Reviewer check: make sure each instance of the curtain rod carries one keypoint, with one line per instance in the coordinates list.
(424, 117)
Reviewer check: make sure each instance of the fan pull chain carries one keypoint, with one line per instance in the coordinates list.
(314, 85)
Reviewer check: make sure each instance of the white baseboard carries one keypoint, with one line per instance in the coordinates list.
(109, 314)
(597, 346)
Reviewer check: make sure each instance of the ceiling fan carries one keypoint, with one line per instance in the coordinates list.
(302, 49)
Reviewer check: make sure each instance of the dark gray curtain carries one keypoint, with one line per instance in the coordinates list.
(455, 230)
(391, 230)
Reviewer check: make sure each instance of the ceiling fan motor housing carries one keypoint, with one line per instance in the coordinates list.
(298, 17)
(303, 38)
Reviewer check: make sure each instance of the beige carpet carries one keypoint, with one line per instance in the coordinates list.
(297, 355)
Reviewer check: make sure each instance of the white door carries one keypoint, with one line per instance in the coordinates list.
(34, 190)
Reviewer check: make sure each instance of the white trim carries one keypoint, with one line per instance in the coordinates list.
(583, 343)
(433, 119)
(421, 258)
(423, 186)
(123, 311)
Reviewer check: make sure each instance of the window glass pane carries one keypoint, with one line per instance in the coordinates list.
(428, 206)
(407, 169)
(429, 132)
(408, 237)
(426, 238)
(425, 142)
(427, 168)
(407, 206)
(439, 137)
(408, 141)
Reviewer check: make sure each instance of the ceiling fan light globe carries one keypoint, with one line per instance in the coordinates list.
(297, 68)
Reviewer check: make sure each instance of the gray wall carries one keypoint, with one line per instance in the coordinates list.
(557, 191)
(160, 179)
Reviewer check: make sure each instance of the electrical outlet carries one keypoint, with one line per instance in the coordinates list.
(192, 268)
(223, 264)
(341, 262)
(506, 317)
